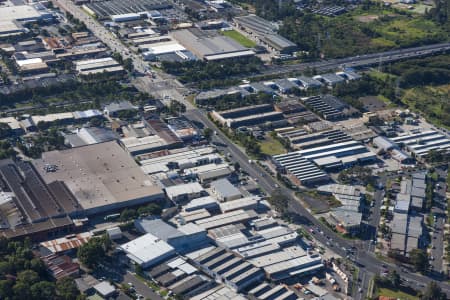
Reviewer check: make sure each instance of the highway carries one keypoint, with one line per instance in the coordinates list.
(360, 60)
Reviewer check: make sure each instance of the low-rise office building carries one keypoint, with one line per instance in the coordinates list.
(184, 192)
(148, 250)
(96, 66)
(183, 239)
(224, 190)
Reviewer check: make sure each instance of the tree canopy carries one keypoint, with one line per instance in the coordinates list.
(278, 201)
(23, 276)
(91, 253)
(433, 292)
(419, 259)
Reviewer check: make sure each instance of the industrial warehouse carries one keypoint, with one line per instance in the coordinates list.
(102, 177)
(100, 65)
(125, 10)
(209, 48)
(265, 32)
(306, 164)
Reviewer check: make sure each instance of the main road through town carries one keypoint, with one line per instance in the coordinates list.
(368, 263)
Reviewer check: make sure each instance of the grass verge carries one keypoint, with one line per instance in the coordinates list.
(240, 38)
(397, 294)
(271, 146)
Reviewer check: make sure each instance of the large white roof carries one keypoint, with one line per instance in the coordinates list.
(163, 48)
(147, 248)
(19, 12)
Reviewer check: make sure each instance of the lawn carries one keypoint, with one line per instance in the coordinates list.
(396, 294)
(380, 75)
(238, 37)
(432, 101)
(404, 31)
(271, 146)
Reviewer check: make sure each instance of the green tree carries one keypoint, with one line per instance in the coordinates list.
(6, 288)
(419, 259)
(117, 56)
(43, 290)
(394, 278)
(29, 277)
(91, 253)
(66, 289)
(150, 209)
(128, 214)
(21, 290)
(128, 64)
(433, 292)
(278, 201)
(208, 133)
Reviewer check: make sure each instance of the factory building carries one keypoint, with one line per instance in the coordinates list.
(99, 65)
(102, 177)
(209, 203)
(185, 192)
(421, 143)
(220, 292)
(265, 292)
(140, 145)
(210, 48)
(247, 116)
(31, 207)
(209, 172)
(88, 136)
(329, 107)
(183, 239)
(329, 79)
(246, 203)
(265, 32)
(181, 159)
(148, 250)
(304, 171)
(234, 271)
(24, 14)
(112, 109)
(306, 83)
(224, 190)
(232, 217)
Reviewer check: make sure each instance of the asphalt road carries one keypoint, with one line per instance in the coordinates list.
(140, 287)
(360, 60)
(368, 262)
(160, 85)
(437, 241)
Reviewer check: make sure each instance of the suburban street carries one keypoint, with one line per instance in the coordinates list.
(437, 241)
